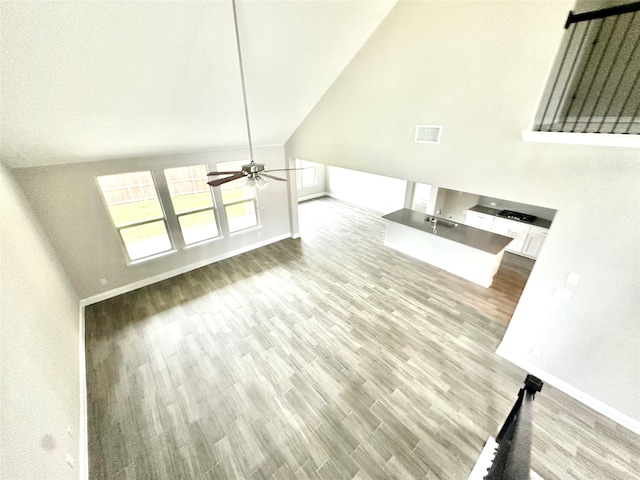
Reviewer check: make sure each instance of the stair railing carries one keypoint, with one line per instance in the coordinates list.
(595, 87)
(512, 460)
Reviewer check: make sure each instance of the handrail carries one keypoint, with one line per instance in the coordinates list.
(602, 13)
(512, 460)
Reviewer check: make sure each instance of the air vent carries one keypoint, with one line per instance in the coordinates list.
(428, 133)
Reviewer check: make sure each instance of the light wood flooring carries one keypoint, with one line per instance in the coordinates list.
(326, 357)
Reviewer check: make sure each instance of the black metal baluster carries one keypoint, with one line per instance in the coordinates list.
(555, 82)
(626, 100)
(604, 116)
(582, 76)
(566, 85)
(582, 72)
(606, 80)
(632, 120)
(597, 72)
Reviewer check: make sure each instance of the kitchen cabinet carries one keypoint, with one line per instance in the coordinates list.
(470, 253)
(479, 220)
(516, 230)
(527, 239)
(534, 241)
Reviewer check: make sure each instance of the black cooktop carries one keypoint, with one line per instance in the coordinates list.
(522, 217)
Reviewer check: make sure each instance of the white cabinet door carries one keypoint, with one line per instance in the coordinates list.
(534, 242)
(516, 230)
(479, 220)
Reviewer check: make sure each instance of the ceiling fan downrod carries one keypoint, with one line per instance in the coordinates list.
(244, 89)
(253, 172)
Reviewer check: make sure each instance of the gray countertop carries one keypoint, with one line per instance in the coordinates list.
(472, 237)
(538, 222)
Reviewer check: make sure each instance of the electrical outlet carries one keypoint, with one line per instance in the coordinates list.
(103, 281)
(493, 204)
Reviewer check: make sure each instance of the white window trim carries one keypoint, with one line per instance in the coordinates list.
(163, 218)
(300, 173)
(238, 202)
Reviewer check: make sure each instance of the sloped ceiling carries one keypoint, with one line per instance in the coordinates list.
(85, 81)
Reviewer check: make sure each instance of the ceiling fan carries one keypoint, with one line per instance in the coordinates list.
(254, 172)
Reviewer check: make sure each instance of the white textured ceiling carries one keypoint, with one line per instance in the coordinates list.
(85, 81)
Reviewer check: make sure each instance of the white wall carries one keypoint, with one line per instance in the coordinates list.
(39, 348)
(477, 68)
(375, 192)
(67, 201)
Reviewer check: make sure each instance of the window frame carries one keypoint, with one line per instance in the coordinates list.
(213, 208)
(230, 166)
(118, 229)
(302, 165)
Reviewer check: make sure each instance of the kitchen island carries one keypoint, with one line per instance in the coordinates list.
(469, 252)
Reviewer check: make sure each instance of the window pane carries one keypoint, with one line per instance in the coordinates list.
(130, 197)
(188, 188)
(242, 213)
(241, 216)
(197, 227)
(421, 195)
(145, 240)
(306, 174)
(236, 191)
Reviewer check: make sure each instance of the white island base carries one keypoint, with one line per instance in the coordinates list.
(473, 264)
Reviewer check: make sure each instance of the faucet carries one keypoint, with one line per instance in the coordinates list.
(434, 220)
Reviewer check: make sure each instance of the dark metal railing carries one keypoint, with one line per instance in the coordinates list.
(595, 87)
(512, 460)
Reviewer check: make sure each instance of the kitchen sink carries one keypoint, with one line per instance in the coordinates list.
(441, 221)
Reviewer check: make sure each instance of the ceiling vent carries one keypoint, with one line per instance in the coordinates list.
(428, 133)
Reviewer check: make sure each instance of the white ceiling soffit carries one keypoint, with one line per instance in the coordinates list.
(86, 81)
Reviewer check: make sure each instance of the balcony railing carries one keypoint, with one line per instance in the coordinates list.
(595, 86)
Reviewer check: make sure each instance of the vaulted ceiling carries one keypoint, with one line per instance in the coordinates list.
(86, 81)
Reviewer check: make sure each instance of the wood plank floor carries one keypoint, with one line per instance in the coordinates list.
(326, 357)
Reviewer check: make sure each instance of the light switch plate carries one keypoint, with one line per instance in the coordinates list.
(563, 293)
(573, 278)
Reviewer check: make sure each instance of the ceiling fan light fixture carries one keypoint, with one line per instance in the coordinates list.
(260, 183)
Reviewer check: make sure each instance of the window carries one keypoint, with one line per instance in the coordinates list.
(132, 201)
(421, 197)
(307, 174)
(238, 199)
(192, 203)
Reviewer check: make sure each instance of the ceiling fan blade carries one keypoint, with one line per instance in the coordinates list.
(284, 169)
(220, 181)
(262, 174)
(223, 173)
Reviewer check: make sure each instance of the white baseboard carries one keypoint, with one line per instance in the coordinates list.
(83, 426)
(586, 399)
(311, 197)
(178, 271)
